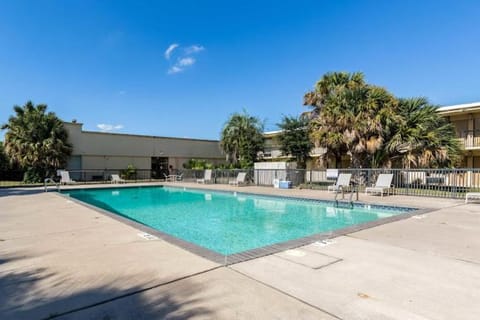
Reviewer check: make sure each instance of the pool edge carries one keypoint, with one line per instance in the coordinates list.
(258, 252)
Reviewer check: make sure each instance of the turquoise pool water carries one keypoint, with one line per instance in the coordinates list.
(224, 222)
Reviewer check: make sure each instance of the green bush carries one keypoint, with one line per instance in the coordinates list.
(130, 172)
(198, 164)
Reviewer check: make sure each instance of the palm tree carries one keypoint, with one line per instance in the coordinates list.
(422, 138)
(242, 139)
(329, 115)
(295, 139)
(4, 162)
(37, 141)
(349, 117)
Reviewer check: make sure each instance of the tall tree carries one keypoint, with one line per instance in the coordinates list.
(295, 139)
(422, 138)
(350, 117)
(242, 139)
(37, 141)
(4, 162)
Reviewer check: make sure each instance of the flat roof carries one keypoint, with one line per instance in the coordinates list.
(136, 135)
(272, 132)
(465, 107)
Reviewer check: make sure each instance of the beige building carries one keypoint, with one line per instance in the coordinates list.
(115, 151)
(272, 152)
(466, 119)
(101, 150)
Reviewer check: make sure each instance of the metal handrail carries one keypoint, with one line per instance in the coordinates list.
(57, 184)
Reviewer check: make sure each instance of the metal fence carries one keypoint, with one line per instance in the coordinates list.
(444, 183)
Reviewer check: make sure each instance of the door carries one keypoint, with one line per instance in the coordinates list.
(159, 167)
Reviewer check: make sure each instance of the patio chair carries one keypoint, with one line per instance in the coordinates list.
(115, 178)
(343, 183)
(173, 177)
(472, 196)
(207, 177)
(65, 177)
(383, 184)
(239, 180)
(331, 174)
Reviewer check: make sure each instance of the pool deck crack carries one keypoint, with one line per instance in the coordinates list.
(102, 302)
(285, 293)
(352, 236)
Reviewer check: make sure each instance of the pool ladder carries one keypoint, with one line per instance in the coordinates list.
(350, 198)
(47, 180)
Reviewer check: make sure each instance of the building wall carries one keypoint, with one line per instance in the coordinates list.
(467, 128)
(99, 150)
(465, 118)
(115, 162)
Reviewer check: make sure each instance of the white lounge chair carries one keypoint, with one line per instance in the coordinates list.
(383, 184)
(331, 174)
(65, 177)
(239, 180)
(207, 177)
(116, 179)
(343, 182)
(472, 196)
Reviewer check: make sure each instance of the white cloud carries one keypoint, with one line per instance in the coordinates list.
(181, 65)
(109, 127)
(175, 69)
(194, 49)
(185, 62)
(170, 49)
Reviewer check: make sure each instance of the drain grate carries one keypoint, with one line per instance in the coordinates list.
(147, 236)
(325, 242)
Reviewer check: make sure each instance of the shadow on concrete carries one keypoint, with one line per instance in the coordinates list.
(38, 294)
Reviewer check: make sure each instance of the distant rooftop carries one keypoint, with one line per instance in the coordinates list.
(474, 106)
(75, 123)
(275, 132)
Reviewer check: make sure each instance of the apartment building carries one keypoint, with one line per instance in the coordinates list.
(465, 118)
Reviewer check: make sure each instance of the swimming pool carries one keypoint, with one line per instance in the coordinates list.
(225, 222)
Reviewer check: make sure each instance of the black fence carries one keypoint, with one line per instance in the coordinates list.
(444, 183)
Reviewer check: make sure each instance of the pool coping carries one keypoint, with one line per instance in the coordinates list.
(253, 253)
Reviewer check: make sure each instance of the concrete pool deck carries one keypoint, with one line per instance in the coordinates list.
(60, 259)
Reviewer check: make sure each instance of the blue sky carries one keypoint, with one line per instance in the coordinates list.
(105, 62)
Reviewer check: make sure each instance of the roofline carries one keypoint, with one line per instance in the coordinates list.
(147, 136)
(139, 135)
(465, 107)
(272, 132)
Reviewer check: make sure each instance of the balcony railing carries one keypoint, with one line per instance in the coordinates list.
(470, 139)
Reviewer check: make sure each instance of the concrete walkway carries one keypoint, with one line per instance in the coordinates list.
(60, 259)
